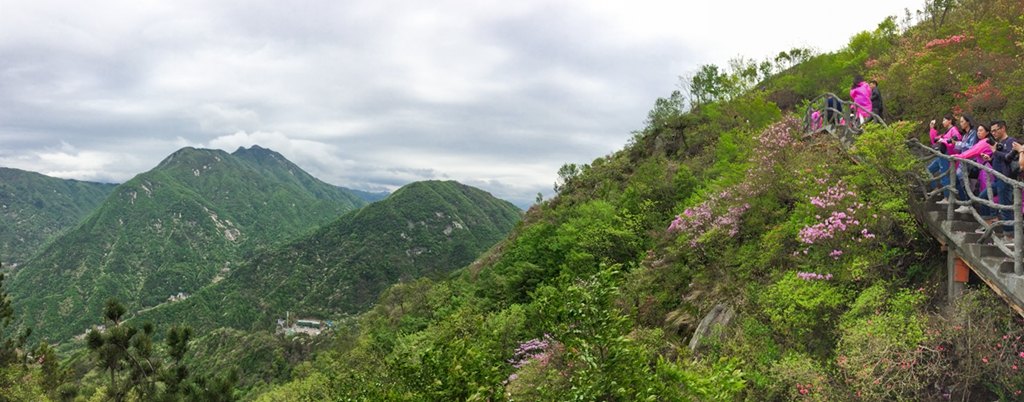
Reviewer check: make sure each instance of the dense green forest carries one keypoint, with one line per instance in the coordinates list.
(35, 209)
(424, 229)
(718, 201)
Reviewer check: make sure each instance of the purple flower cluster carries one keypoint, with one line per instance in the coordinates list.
(836, 223)
(724, 210)
(813, 276)
(533, 349)
(832, 196)
(772, 145)
(699, 220)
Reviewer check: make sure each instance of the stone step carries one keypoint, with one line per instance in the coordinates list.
(964, 226)
(1002, 265)
(971, 237)
(987, 251)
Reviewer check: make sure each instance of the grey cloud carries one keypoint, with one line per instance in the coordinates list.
(368, 95)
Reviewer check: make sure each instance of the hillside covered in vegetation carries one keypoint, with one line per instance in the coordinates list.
(35, 209)
(424, 229)
(721, 201)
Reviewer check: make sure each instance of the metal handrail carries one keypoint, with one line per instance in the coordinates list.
(951, 197)
(852, 126)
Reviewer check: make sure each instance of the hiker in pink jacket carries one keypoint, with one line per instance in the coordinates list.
(948, 139)
(860, 93)
(944, 144)
(976, 153)
(982, 147)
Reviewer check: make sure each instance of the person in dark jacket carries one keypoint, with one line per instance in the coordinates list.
(833, 110)
(1002, 156)
(876, 99)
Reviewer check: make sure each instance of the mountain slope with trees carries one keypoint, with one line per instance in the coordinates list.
(176, 228)
(35, 208)
(722, 203)
(424, 229)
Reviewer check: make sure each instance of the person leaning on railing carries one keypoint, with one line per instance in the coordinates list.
(944, 144)
(980, 152)
(1019, 149)
(970, 133)
(1002, 156)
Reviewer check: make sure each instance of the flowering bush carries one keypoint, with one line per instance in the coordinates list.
(836, 220)
(722, 211)
(812, 276)
(540, 371)
(983, 99)
(799, 377)
(952, 39)
(702, 218)
(533, 349)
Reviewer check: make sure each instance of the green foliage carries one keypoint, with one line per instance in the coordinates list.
(804, 312)
(602, 360)
(596, 235)
(799, 377)
(18, 380)
(35, 209)
(881, 334)
(136, 372)
(719, 381)
(425, 229)
(709, 84)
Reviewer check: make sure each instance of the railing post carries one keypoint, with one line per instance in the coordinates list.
(951, 191)
(1018, 228)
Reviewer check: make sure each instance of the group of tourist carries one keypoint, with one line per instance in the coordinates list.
(988, 145)
(866, 103)
(867, 99)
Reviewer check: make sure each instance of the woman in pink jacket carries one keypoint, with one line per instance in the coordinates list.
(975, 153)
(860, 93)
(942, 143)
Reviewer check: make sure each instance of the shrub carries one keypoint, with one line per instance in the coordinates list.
(880, 352)
(803, 312)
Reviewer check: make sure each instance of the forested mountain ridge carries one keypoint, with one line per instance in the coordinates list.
(424, 229)
(172, 229)
(35, 208)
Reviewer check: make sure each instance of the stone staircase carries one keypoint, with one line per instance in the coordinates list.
(960, 238)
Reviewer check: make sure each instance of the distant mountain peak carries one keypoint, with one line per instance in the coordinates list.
(189, 155)
(255, 150)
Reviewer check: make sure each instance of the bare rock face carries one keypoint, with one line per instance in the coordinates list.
(713, 324)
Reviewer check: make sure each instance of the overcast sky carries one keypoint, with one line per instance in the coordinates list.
(371, 94)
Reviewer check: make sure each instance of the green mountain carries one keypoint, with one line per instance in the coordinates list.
(35, 209)
(425, 229)
(176, 228)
